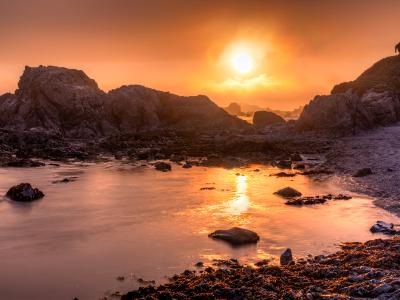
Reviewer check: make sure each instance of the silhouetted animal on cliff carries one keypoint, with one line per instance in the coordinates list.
(397, 48)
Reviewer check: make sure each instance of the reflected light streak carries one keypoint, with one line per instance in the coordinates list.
(240, 204)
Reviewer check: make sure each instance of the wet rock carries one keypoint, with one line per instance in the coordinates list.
(199, 264)
(24, 162)
(288, 192)
(24, 192)
(382, 289)
(306, 201)
(162, 166)
(342, 197)
(187, 165)
(284, 164)
(208, 188)
(65, 180)
(284, 174)
(286, 257)
(363, 172)
(236, 236)
(383, 227)
(299, 166)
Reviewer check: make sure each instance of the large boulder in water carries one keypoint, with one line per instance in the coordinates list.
(266, 118)
(373, 99)
(24, 192)
(236, 236)
(288, 192)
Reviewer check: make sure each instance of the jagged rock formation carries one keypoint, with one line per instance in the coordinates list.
(373, 99)
(265, 118)
(69, 103)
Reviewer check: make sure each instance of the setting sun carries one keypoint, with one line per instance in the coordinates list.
(242, 62)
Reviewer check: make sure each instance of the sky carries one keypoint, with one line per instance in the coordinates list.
(293, 50)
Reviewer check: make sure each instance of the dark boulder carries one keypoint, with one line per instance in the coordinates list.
(383, 227)
(266, 118)
(162, 166)
(236, 236)
(288, 192)
(24, 192)
(286, 257)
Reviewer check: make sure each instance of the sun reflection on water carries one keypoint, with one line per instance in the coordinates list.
(240, 203)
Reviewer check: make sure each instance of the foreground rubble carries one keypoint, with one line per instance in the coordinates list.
(359, 270)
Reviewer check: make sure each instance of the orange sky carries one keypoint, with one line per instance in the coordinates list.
(299, 48)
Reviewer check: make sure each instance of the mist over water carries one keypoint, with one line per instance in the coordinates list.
(120, 219)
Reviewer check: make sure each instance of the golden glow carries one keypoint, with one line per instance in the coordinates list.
(240, 204)
(242, 62)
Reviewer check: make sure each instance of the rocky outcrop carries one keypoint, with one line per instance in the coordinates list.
(266, 118)
(69, 103)
(24, 192)
(372, 100)
(236, 236)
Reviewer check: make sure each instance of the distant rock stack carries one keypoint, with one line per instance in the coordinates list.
(266, 118)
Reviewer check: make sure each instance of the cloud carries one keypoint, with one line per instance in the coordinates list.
(259, 81)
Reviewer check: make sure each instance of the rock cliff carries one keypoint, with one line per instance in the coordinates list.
(372, 100)
(68, 102)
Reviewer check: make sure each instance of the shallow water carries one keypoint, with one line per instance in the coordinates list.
(118, 219)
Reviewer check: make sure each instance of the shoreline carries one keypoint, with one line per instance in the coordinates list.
(366, 270)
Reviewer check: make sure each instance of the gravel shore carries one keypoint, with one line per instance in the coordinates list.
(377, 149)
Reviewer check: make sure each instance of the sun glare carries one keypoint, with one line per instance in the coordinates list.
(242, 62)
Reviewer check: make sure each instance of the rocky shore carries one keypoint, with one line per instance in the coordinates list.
(358, 270)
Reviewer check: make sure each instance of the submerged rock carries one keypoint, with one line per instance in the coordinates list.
(24, 192)
(383, 227)
(236, 236)
(23, 162)
(363, 172)
(162, 166)
(286, 257)
(306, 201)
(284, 174)
(288, 192)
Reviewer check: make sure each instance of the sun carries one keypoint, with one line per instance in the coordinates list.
(242, 62)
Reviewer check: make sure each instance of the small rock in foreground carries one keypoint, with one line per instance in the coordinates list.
(383, 227)
(162, 166)
(286, 257)
(363, 172)
(24, 192)
(187, 165)
(288, 192)
(236, 236)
